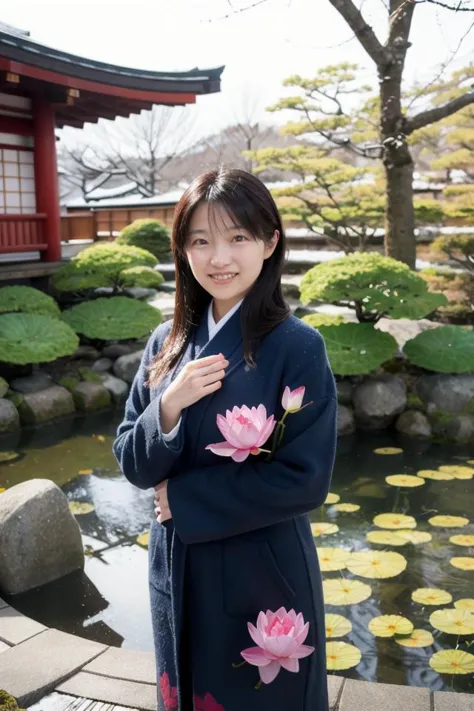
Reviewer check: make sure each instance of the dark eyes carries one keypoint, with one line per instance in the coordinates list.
(235, 237)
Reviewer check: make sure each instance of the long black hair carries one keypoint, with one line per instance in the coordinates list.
(249, 204)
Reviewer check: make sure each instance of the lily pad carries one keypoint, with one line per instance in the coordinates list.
(34, 338)
(357, 348)
(80, 508)
(8, 456)
(340, 655)
(115, 318)
(446, 349)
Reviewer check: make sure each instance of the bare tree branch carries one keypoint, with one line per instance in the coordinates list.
(440, 112)
(362, 30)
(455, 7)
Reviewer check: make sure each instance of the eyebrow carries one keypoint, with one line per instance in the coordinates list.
(203, 232)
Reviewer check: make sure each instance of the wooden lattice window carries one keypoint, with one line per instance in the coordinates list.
(17, 182)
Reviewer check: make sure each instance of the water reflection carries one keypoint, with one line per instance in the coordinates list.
(97, 603)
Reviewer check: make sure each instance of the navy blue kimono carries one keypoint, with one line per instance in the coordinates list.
(239, 540)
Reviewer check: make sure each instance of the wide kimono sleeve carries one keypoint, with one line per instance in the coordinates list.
(143, 454)
(230, 498)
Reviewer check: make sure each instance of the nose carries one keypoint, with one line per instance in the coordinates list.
(220, 256)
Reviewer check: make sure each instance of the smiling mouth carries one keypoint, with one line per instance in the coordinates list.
(225, 279)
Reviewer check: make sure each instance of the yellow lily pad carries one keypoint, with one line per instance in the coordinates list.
(332, 498)
(466, 603)
(345, 592)
(143, 539)
(79, 508)
(2, 489)
(323, 529)
(376, 564)
(431, 596)
(336, 625)
(415, 537)
(453, 621)
(470, 461)
(385, 538)
(99, 438)
(340, 655)
(418, 638)
(448, 521)
(463, 562)
(435, 475)
(452, 661)
(85, 472)
(394, 521)
(388, 450)
(347, 508)
(458, 471)
(405, 480)
(389, 625)
(462, 540)
(332, 558)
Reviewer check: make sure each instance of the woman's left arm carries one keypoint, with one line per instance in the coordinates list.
(222, 500)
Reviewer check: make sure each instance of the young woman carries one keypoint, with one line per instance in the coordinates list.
(232, 538)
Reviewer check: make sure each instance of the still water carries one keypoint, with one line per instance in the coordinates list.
(108, 602)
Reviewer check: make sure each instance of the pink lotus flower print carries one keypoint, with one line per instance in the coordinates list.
(168, 692)
(292, 399)
(279, 637)
(207, 703)
(245, 430)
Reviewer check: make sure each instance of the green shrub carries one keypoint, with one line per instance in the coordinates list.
(317, 320)
(34, 338)
(357, 348)
(446, 349)
(458, 287)
(28, 301)
(100, 266)
(148, 234)
(113, 319)
(458, 248)
(8, 702)
(373, 285)
(145, 277)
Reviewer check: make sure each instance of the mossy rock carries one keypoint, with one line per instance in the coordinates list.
(69, 383)
(14, 397)
(3, 386)
(89, 376)
(89, 397)
(8, 702)
(414, 402)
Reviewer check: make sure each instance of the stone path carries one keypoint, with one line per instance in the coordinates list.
(49, 670)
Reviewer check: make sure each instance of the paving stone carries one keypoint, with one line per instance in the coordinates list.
(15, 627)
(3, 647)
(64, 702)
(381, 697)
(452, 701)
(334, 689)
(35, 667)
(115, 691)
(3, 603)
(125, 664)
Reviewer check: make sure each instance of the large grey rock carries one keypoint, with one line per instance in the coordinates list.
(346, 423)
(46, 405)
(126, 366)
(140, 292)
(117, 388)
(378, 400)
(115, 350)
(40, 539)
(404, 329)
(344, 392)
(89, 397)
(414, 424)
(87, 352)
(102, 365)
(32, 383)
(461, 428)
(9, 417)
(448, 393)
(3, 387)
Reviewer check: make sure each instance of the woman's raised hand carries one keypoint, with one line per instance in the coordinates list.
(197, 379)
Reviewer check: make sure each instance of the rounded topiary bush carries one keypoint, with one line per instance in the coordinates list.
(27, 300)
(317, 320)
(34, 338)
(148, 234)
(100, 266)
(144, 277)
(374, 286)
(113, 319)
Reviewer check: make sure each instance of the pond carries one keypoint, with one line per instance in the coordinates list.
(97, 603)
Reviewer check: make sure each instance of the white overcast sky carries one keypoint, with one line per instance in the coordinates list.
(259, 47)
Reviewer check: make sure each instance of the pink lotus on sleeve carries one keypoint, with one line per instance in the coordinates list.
(279, 637)
(245, 430)
(292, 399)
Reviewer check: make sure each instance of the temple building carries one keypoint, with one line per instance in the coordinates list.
(42, 89)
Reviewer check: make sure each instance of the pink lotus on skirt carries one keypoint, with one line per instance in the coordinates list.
(245, 431)
(279, 637)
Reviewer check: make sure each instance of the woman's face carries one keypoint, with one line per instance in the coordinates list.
(214, 244)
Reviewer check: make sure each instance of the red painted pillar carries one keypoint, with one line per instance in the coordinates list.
(46, 177)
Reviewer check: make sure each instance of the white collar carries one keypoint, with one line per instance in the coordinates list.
(212, 326)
